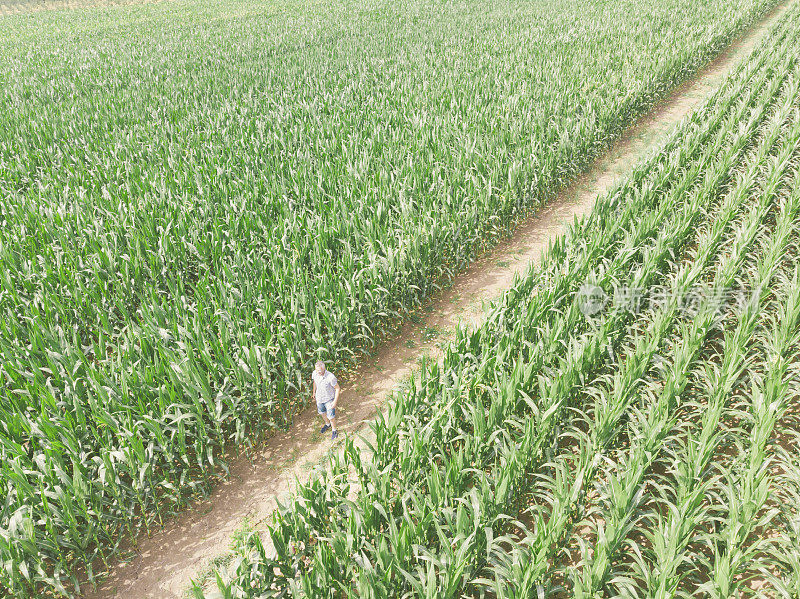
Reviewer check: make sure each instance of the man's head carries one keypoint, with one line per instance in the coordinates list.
(320, 367)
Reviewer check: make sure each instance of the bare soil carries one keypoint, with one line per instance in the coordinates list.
(163, 565)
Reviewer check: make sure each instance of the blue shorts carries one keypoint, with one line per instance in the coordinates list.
(328, 408)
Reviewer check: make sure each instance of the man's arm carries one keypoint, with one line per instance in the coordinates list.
(336, 396)
(313, 389)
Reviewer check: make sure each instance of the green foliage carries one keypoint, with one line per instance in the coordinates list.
(200, 199)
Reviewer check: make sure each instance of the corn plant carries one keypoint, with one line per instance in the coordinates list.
(784, 551)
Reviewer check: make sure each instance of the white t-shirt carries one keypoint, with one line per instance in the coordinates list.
(325, 386)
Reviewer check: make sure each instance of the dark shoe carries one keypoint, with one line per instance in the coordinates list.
(324, 428)
(334, 434)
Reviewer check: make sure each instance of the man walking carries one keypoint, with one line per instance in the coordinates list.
(326, 392)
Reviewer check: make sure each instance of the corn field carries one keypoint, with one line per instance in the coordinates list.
(557, 452)
(201, 199)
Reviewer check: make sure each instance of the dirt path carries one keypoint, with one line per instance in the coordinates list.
(165, 563)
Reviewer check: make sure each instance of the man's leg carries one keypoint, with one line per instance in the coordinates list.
(322, 412)
(332, 418)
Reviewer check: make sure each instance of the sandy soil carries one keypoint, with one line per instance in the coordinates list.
(162, 566)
